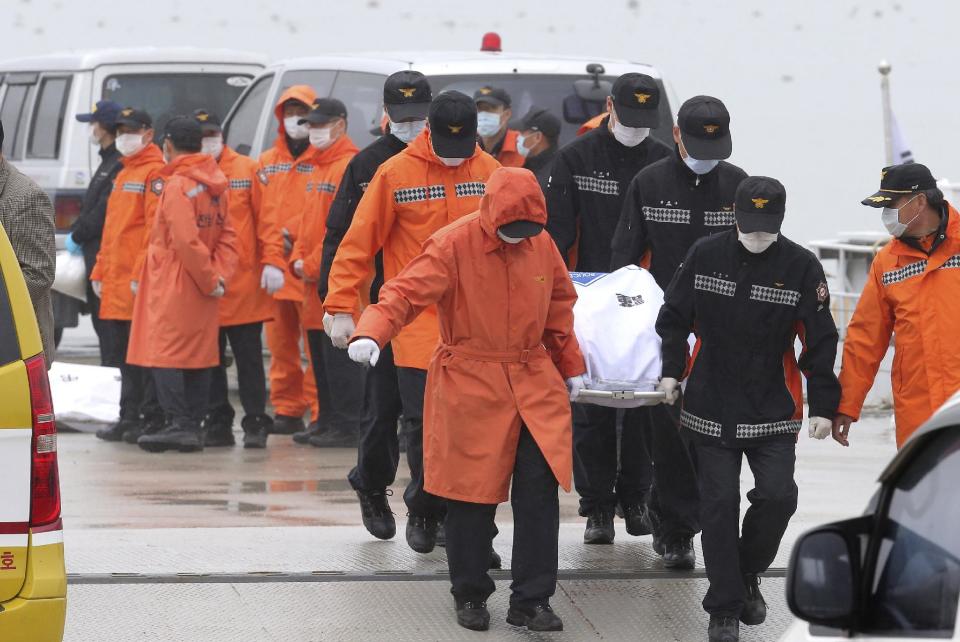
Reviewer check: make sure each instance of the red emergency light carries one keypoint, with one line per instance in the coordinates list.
(491, 42)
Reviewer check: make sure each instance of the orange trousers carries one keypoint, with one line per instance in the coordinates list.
(292, 391)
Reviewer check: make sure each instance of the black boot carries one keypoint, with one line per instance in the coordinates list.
(473, 615)
(377, 516)
(313, 429)
(336, 437)
(599, 527)
(146, 426)
(633, 517)
(421, 533)
(117, 430)
(723, 629)
(286, 425)
(755, 607)
(680, 555)
(536, 617)
(651, 522)
(218, 430)
(179, 435)
(256, 428)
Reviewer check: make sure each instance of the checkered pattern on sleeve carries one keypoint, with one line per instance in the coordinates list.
(241, 183)
(666, 215)
(329, 188)
(598, 185)
(774, 295)
(904, 273)
(753, 431)
(700, 425)
(134, 188)
(715, 285)
(305, 168)
(719, 219)
(952, 262)
(465, 190)
(417, 194)
(277, 168)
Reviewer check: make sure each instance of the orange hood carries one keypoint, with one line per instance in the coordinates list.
(341, 147)
(303, 93)
(421, 147)
(512, 194)
(202, 168)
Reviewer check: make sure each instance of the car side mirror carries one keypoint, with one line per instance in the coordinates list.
(823, 582)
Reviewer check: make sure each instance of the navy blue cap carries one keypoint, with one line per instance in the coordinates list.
(104, 112)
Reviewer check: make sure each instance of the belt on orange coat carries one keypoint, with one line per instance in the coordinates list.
(512, 356)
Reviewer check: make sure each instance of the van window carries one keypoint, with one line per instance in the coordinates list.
(48, 114)
(164, 96)
(9, 343)
(363, 95)
(10, 113)
(245, 118)
(322, 83)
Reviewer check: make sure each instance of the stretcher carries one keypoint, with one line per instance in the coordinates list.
(614, 320)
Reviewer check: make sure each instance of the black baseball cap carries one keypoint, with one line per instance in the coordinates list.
(705, 124)
(759, 204)
(521, 229)
(407, 95)
(495, 96)
(636, 98)
(324, 110)
(896, 180)
(134, 118)
(541, 120)
(184, 132)
(453, 125)
(209, 123)
(104, 112)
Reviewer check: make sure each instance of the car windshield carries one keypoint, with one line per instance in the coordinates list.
(164, 96)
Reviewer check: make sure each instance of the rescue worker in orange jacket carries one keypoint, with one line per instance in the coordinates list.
(289, 166)
(129, 208)
(191, 255)
(493, 118)
(911, 293)
(340, 382)
(593, 123)
(437, 179)
(248, 302)
(496, 403)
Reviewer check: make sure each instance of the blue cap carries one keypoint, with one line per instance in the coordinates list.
(104, 112)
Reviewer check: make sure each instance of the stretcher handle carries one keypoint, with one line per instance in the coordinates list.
(624, 395)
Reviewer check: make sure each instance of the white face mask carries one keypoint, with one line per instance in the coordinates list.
(321, 137)
(130, 144)
(406, 132)
(296, 131)
(507, 239)
(757, 242)
(94, 138)
(488, 123)
(698, 166)
(451, 162)
(212, 145)
(891, 220)
(629, 136)
(522, 148)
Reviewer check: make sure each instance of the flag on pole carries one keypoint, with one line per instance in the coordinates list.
(901, 151)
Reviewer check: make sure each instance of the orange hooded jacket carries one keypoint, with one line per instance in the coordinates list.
(192, 245)
(509, 156)
(285, 195)
(506, 343)
(411, 196)
(331, 163)
(129, 213)
(259, 241)
(916, 298)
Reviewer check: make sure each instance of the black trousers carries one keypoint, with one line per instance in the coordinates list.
(90, 250)
(378, 453)
(729, 554)
(246, 342)
(412, 383)
(340, 384)
(674, 496)
(183, 395)
(536, 529)
(138, 395)
(602, 476)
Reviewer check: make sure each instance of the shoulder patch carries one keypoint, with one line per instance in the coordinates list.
(262, 175)
(156, 186)
(823, 292)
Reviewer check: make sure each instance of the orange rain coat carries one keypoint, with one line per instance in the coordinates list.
(916, 298)
(129, 213)
(509, 156)
(331, 164)
(259, 242)
(411, 196)
(593, 123)
(192, 246)
(507, 343)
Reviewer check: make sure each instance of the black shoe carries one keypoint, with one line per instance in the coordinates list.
(147, 426)
(495, 561)
(755, 607)
(377, 516)
(723, 629)
(256, 428)
(442, 534)
(680, 555)
(539, 617)
(651, 522)
(473, 615)
(285, 425)
(421, 533)
(313, 429)
(186, 439)
(633, 517)
(599, 527)
(338, 437)
(117, 430)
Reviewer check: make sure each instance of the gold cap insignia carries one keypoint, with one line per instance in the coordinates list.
(711, 129)
(203, 117)
(883, 174)
(486, 90)
(126, 112)
(641, 97)
(760, 202)
(408, 92)
(878, 199)
(454, 129)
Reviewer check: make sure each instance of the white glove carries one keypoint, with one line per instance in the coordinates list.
(575, 386)
(328, 323)
(298, 267)
(271, 279)
(97, 288)
(134, 286)
(670, 387)
(365, 351)
(219, 291)
(820, 428)
(341, 329)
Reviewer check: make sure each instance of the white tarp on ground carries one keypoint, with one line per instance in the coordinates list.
(85, 393)
(614, 319)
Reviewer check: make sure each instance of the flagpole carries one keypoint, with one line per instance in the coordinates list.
(884, 69)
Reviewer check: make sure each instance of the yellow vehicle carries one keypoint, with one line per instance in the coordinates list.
(33, 578)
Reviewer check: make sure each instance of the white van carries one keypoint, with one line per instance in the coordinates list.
(574, 89)
(39, 97)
